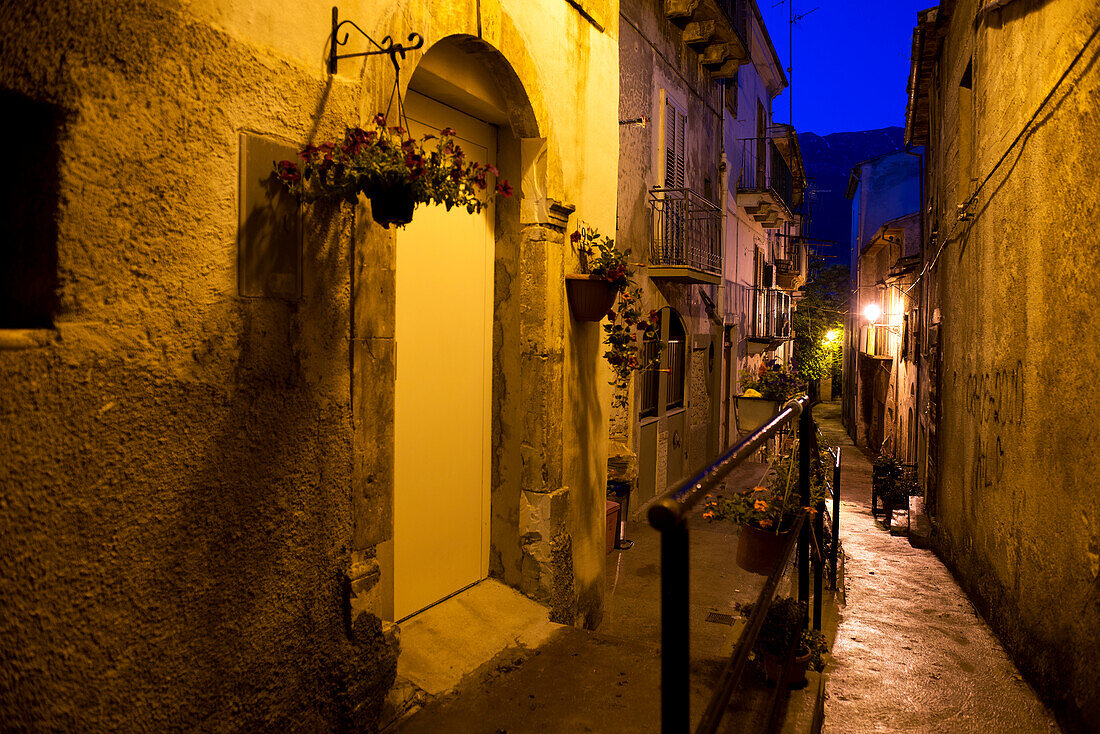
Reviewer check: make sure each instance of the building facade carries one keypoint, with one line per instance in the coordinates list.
(709, 192)
(232, 452)
(883, 190)
(1003, 94)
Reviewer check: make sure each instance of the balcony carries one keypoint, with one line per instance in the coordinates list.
(716, 29)
(787, 275)
(687, 237)
(771, 319)
(765, 186)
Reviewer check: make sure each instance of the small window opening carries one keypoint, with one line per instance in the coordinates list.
(28, 210)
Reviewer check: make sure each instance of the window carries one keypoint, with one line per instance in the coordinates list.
(675, 129)
(28, 209)
(677, 361)
(730, 88)
(649, 378)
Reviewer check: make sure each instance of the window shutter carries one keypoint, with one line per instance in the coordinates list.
(675, 131)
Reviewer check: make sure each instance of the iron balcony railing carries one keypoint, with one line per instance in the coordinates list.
(763, 168)
(687, 230)
(670, 514)
(771, 309)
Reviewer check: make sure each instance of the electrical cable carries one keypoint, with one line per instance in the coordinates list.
(1004, 156)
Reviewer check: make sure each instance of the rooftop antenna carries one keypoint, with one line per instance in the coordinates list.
(791, 20)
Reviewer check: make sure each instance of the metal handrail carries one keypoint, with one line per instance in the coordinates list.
(668, 515)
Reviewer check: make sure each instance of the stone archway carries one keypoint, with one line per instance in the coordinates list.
(528, 517)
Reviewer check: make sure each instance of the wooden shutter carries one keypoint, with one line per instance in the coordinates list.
(675, 130)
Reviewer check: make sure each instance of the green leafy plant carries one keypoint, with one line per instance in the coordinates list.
(772, 381)
(600, 258)
(786, 618)
(821, 310)
(893, 481)
(386, 156)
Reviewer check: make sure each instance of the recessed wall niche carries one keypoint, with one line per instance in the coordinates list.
(269, 260)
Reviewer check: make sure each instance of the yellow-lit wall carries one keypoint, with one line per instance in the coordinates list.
(1019, 447)
(194, 483)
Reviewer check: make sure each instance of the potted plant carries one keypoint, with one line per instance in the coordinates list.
(605, 272)
(765, 513)
(784, 621)
(764, 390)
(395, 171)
(607, 275)
(892, 484)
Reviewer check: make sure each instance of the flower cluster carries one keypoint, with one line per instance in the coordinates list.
(386, 156)
(601, 258)
(773, 507)
(772, 381)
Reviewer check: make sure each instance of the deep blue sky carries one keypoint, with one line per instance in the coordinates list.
(851, 61)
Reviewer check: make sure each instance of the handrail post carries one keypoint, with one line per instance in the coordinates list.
(805, 436)
(819, 562)
(836, 519)
(675, 663)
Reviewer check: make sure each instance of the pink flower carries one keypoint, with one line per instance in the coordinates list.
(504, 188)
(380, 120)
(575, 237)
(447, 131)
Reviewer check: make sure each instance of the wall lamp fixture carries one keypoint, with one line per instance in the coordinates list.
(636, 121)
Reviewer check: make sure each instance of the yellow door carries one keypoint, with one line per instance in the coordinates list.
(444, 384)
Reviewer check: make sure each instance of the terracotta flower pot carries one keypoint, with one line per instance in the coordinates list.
(797, 672)
(590, 297)
(758, 550)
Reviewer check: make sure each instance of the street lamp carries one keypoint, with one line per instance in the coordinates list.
(831, 335)
(871, 312)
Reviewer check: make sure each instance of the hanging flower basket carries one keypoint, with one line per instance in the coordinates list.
(590, 296)
(391, 203)
(395, 171)
(758, 550)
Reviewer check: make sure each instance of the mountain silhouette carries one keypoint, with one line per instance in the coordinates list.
(828, 161)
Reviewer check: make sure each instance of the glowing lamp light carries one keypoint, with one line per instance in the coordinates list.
(872, 312)
(831, 335)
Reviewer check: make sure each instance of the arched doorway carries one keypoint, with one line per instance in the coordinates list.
(455, 360)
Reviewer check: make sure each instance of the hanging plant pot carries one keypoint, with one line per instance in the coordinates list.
(391, 202)
(754, 413)
(590, 297)
(758, 550)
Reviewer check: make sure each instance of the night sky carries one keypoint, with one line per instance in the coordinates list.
(851, 61)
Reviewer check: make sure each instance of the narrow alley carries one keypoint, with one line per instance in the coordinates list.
(909, 653)
(431, 366)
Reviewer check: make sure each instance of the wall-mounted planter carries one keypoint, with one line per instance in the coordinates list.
(754, 413)
(590, 297)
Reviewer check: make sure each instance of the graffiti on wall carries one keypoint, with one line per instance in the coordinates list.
(994, 400)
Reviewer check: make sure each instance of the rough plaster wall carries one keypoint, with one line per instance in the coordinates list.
(176, 460)
(1019, 444)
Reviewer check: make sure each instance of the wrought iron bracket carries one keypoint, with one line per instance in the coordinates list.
(415, 41)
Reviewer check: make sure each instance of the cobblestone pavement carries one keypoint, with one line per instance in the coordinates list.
(911, 654)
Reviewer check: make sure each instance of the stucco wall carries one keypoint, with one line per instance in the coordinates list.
(653, 58)
(197, 486)
(176, 460)
(1019, 443)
